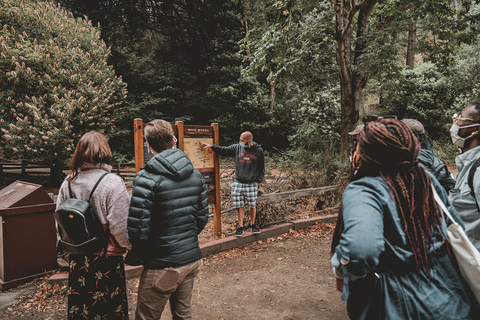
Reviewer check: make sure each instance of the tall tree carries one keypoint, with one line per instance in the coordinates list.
(181, 60)
(360, 54)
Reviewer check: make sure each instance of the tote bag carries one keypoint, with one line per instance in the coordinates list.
(468, 257)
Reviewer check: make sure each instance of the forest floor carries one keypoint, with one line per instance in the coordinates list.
(284, 277)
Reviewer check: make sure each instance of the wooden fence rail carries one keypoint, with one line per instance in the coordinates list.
(32, 170)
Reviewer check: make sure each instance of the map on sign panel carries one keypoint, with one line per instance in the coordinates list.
(200, 158)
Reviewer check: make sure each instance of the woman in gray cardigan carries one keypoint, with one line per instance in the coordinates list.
(97, 286)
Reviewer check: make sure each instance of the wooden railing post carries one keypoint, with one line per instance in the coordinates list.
(217, 207)
(138, 143)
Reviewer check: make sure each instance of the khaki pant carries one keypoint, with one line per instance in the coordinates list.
(159, 285)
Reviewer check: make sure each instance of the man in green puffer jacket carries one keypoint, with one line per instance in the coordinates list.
(168, 209)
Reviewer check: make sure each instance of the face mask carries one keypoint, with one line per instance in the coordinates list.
(242, 144)
(456, 139)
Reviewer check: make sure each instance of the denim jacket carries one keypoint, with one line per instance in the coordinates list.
(380, 280)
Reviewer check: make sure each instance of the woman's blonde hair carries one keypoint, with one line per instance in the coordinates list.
(92, 148)
(159, 135)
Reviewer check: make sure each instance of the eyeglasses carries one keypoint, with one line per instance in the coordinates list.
(457, 117)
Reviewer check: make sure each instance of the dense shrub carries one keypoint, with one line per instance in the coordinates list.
(55, 83)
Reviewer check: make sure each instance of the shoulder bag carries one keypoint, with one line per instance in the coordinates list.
(468, 257)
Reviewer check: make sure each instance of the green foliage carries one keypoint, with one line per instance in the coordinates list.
(64, 288)
(316, 121)
(464, 78)
(55, 83)
(432, 96)
(118, 157)
(291, 48)
(445, 150)
(181, 61)
(315, 169)
(423, 94)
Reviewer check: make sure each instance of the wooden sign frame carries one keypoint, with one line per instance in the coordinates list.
(181, 130)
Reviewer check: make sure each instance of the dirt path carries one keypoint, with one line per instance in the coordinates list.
(286, 277)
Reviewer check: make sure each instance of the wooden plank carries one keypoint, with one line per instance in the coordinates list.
(271, 197)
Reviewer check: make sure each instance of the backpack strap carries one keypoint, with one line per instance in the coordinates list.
(72, 196)
(471, 174)
(91, 194)
(96, 185)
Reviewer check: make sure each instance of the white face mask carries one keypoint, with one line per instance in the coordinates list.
(243, 144)
(456, 139)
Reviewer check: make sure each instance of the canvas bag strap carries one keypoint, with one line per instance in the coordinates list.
(442, 205)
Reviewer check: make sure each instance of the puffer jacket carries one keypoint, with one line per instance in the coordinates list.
(168, 209)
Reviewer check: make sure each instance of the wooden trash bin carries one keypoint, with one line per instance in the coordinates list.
(27, 233)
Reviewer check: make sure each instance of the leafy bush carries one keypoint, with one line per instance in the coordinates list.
(424, 94)
(315, 169)
(446, 151)
(55, 83)
(464, 77)
(432, 96)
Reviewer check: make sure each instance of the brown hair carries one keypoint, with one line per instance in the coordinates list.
(159, 135)
(92, 148)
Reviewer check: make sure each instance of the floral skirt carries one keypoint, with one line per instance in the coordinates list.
(97, 287)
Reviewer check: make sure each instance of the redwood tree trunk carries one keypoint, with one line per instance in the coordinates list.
(351, 83)
(412, 41)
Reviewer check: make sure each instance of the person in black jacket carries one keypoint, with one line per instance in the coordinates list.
(168, 209)
(249, 172)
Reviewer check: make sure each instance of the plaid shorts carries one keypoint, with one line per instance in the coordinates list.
(239, 190)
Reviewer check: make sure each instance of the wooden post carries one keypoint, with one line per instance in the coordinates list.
(24, 169)
(217, 207)
(181, 139)
(138, 143)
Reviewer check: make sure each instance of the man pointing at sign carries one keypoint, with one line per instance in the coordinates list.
(249, 172)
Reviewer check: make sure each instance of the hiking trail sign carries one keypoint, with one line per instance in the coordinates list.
(203, 159)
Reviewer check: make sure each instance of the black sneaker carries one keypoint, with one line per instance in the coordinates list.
(240, 232)
(254, 229)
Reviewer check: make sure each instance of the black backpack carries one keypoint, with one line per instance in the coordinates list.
(440, 171)
(81, 232)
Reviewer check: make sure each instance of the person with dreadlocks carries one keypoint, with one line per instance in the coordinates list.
(391, 256)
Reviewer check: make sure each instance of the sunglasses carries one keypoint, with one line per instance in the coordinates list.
(457, 117)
